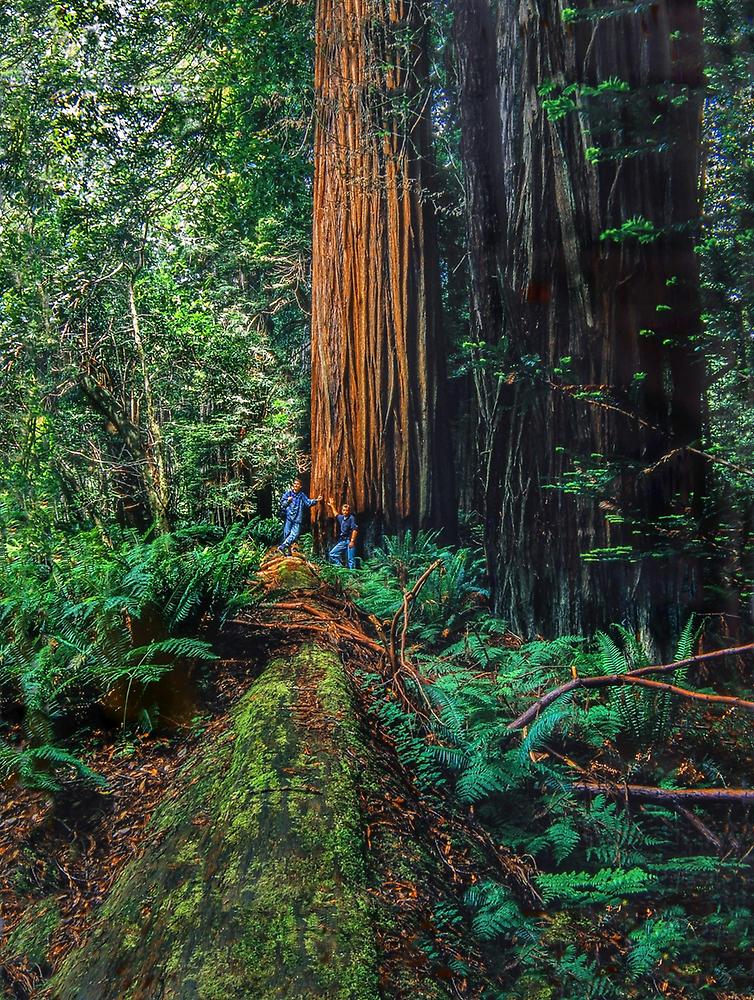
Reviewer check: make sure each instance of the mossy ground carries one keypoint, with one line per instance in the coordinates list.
(254, 884)
(293, 574)
(31, 939)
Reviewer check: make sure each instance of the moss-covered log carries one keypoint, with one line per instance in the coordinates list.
(253, 883)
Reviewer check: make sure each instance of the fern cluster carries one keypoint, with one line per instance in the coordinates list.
(621, 887)
(81, 614)
(449, 598)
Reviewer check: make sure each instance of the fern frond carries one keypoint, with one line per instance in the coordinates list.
(184, 647)
(612, 660)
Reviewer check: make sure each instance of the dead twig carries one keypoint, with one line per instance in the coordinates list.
(619, 791)
(399, 665)
(700, 827)
(404, 612)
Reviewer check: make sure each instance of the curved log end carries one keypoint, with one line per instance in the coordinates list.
(288, 574)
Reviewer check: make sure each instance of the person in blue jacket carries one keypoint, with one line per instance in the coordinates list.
(292, 505)
(346, 529)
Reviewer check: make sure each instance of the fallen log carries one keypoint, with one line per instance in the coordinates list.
(253, 880)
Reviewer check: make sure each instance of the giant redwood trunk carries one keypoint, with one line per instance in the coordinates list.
(378, 424)
(589, 384)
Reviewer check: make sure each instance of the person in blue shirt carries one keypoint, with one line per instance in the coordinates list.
(293, 503)
(346, 529)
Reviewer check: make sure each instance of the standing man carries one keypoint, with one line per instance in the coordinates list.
(346, 530)
(292, 505)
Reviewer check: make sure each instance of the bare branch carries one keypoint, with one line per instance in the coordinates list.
(408, 599)
(630, 677)
(671, 795)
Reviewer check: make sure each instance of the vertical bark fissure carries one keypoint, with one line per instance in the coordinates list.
(379, 437)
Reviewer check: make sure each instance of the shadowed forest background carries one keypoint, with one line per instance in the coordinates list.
(483, 271)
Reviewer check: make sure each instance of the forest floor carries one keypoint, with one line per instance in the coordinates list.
(60, 856)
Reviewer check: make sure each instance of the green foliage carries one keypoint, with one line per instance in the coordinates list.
(607, 886)
(571, 96)
(496, 912)
(154, 238)
(450, 596)
(636, 228)
(633, 877)
(36, 767)
(154, 256)
(596, 855)
(726, 250)
(570, 15)
(265, 530)
(401, 556)
(81, 615)
(654, 940)
(183, 576)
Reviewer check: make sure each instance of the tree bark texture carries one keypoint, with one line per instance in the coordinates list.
(587, 371)
(379, 436)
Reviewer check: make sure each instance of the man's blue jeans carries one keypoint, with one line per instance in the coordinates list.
(291, 531)
(336, 554)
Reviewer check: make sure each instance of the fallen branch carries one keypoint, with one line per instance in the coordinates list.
(331, 629)
(722, 699)
(691, 661)
(673, 795)
(632, 677)
(693, 819)
(399, 665)
(405, 611)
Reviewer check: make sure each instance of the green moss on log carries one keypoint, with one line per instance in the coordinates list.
(296, 574)
(254, 882)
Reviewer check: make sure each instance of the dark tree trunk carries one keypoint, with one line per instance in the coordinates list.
(379, 434)
(468, 457)
(583, 526)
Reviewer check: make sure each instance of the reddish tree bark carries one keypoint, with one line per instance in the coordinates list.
(378, 426)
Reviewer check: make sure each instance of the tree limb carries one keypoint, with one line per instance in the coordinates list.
(630, 677)
(672, 795)
(723, 699)
(700, 827)
(408, 599)
(601, 404)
